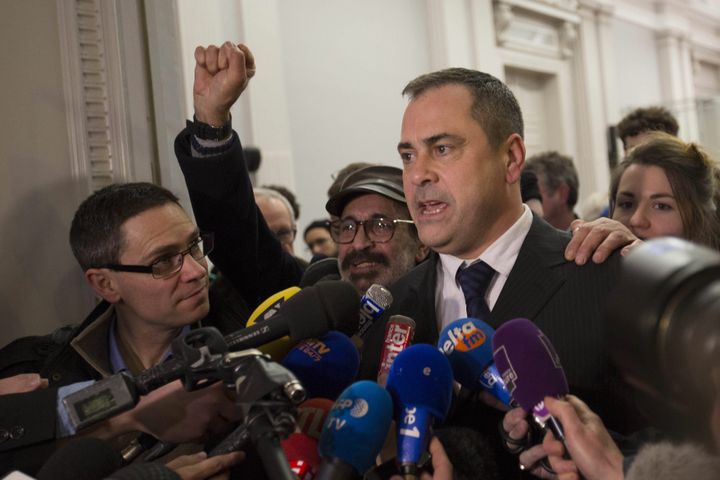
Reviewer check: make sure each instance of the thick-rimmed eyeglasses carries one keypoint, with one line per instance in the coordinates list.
(169, 265)
(378, 230)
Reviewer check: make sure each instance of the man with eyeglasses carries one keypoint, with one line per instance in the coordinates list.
(145, 258)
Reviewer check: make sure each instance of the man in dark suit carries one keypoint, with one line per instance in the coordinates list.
(463, 152)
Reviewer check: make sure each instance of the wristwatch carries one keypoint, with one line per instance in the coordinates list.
(205, 131)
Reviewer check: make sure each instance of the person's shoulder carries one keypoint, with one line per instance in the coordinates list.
(29, 354)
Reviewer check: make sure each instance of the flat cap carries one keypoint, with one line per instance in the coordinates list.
(380, 179)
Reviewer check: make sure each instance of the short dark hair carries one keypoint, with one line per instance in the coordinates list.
(317, 224)
(289, 196)
(556, 168)
(494, 106)
(96, 236)
(648, 119)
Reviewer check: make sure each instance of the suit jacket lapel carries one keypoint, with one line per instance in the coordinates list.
(534, 276)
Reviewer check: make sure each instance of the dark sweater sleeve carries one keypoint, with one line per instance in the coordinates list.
(245, 251)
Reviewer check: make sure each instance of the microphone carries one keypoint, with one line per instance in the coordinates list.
(311, 416)
(399, 332)
(467, 343)
(373, 304)
(421, 383)
(355, 431)
(325, 366)
(530, 369)
(309, 313)
(144, 471)
(320, 270)
(83, 458)
(277, 349)
(302, 454)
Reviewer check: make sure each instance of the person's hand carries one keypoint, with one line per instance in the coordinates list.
(175, 415)
(440, 462)
(199, 467)
(221, 75)
(517, 428)
(22, 383)
(594, 454)
(596, 240)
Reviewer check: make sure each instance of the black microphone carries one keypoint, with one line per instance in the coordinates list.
(84, 458)
(144, 471)
(311, 312)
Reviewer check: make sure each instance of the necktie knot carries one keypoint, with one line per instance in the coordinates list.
(474, 281)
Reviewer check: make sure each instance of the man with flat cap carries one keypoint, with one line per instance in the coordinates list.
(377, 241)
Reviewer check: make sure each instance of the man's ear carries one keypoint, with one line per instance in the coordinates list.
(103, 283)
(422, 253)
(564, 191)
(514, 158)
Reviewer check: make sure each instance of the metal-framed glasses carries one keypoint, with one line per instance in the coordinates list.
(169, 265)
(378, 230)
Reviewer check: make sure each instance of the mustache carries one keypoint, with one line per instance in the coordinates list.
(357, 256)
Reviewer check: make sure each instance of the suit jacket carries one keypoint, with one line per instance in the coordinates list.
(566, 301)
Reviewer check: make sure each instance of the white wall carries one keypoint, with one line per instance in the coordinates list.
(637, 71)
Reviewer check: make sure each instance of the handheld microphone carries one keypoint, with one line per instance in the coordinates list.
(467, 343)
(355, 431)
(302, 454)
(530, 369)
(326, 365)
(420, 383)
(83, 458)
(376, 300)
(399, 332)
(311, 416)
(277, 349)
(320, 270)
(145, 471)
(309, 313)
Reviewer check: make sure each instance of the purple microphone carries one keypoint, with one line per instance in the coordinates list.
(531, 369)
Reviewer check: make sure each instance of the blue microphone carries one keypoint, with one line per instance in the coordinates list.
(354, 431)
(420, 382)
(467, 343)
(325, 366)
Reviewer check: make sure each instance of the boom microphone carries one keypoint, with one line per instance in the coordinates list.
(325, 366)
(310, 313)
(530, 369)
(399, 332)
(467, 343)
(83, 458)
(355, 431)
(420, 383)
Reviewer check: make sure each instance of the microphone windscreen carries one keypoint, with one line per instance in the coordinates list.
(467, 343)
(311, 416)
(528, 363)
(302, 454)
(320, 270)
(277, 349)
(145, 471)
(325, 366)
(421, 376)
(331, 305)
(83, 458)
(358, 423)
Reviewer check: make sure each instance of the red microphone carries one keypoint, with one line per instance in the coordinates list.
(399, 332)
(311, 416)
(302, 455)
